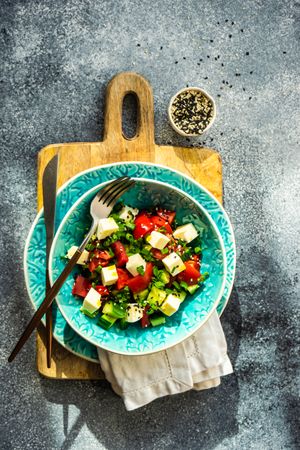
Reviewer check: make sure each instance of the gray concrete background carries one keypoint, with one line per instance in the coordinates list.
(56, 59)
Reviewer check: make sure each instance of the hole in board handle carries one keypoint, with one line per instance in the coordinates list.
(130, 116)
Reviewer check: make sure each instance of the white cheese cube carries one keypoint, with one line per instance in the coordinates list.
(92, 301)
(83, 258)
(106, 227)
(134, 312)
(170, 305)
(127, 213)
(135, 261)
(109, 275)
(173, 263)
(186, 233)
(157, 240)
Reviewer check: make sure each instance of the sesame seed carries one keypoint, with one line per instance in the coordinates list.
(191, 112)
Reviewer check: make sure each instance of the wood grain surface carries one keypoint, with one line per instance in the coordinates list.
(202, 164)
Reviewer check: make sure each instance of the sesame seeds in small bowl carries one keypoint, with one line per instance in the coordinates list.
(191, 112)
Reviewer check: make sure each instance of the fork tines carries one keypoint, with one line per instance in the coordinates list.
(114, 189)
(119, 191)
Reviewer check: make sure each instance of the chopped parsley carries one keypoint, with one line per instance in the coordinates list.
(141, 270)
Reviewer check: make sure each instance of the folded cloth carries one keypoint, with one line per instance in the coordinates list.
(196, 363)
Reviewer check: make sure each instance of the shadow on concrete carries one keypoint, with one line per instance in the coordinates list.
(190, 420)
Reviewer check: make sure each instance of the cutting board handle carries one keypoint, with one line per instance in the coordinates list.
(120, 85)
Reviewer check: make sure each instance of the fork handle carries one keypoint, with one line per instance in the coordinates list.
(45, 304)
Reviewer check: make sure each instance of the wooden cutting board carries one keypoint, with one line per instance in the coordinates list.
(202, 164)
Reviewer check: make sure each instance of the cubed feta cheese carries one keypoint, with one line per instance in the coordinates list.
(173, 263)
(157, 240)
(92, 301)
(134, 312)
(109, 275)
(170, 305)
(83, 258)
(106, 227)
(127, 213)
(135, 261)
(186, 233)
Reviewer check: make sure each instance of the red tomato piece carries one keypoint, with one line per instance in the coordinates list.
(102, 290)
(190, 275)
(120, 253)
(159, 222)
(81, 286)
(157, 254)
(123, 277)
(143, 225)
(145, 322)
(196, 260)
(169, 216)
(141, 282)
(100, 258)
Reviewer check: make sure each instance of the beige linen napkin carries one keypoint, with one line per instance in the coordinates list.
(197, 363)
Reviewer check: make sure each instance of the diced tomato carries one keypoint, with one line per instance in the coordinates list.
(145, 322)
(196, 260)
(143, 225)
(100, 257)
(169, 216)
(190, 275)
(157, 254)
(95, 262)
(123, 277)
(102, 254)
(102, 290)
(159, 222)
(141, 282)
(81, 286)
(120, 253)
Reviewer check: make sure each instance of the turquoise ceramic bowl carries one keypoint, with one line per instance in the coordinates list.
(68, 194)
(193, 312)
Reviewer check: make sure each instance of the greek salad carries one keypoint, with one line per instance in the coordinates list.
(139, 267)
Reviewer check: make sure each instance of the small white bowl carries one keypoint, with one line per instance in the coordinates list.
(172, 123)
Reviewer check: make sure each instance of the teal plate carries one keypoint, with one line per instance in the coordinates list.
(193, 312)
(70, 192)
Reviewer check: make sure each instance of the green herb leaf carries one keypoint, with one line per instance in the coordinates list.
(130, 225)
(89, 247)
(158, 284)
(203, 277)
(184, 285)
(155, 271)
(176, 285)
(141, 270)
